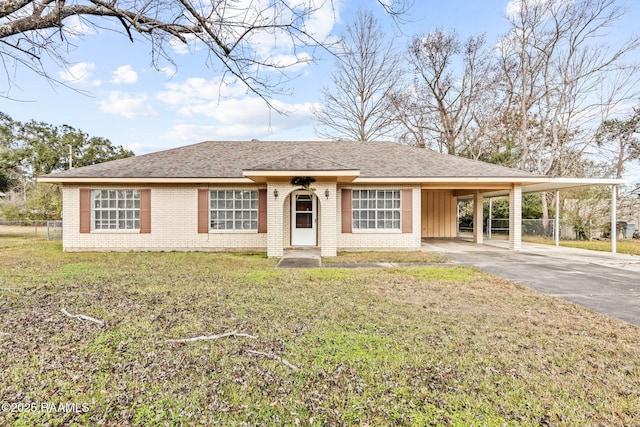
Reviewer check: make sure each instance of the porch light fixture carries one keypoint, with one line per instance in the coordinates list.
(326, 193)
(275, 193)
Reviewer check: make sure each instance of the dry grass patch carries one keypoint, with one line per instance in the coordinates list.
(402, 346)
(395, 257)
(623, 246)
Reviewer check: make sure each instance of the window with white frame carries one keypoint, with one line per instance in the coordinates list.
(376, 209)
(115, 209)
(233, 209)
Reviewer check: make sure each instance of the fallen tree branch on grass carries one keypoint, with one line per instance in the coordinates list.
(213, 337)
(237, 334)
(275, 357)
(82, 317)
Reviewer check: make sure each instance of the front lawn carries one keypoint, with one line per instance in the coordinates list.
(418, 257)
(422, 345)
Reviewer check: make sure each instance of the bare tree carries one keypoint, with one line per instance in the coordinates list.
(619, 141)
(232, 32)
(563, 77)
(444, 109)
(357, 104)
(565, 80)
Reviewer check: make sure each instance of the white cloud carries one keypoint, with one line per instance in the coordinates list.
(270, 45)
(192, 132)
(140, 148)
(245, 118)
(194, 91)
(168, 71)
(79, 72)
(75, 27)
(125, 105)
(180, 48)
(250, 111)
(320, 25)
(514, 7)
(292, 62)
(124, 74)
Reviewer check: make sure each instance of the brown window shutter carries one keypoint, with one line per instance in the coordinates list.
(346, 210)
(145, 211)
(407, 210)
(85, 210)
(262, 211)
(203, 210)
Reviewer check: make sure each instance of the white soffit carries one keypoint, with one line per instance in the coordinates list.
(556, 184)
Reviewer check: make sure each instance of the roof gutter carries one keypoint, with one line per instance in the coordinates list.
(134, 180)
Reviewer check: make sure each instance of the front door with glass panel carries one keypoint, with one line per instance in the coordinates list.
(303, 220)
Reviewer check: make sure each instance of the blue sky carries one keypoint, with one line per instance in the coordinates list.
(123, 98)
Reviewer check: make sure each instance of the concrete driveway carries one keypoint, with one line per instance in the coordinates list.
(604, 282)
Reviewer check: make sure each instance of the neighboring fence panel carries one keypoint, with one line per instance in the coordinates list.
(499, 227)
(52, 230)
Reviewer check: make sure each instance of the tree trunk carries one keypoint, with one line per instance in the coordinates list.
(545, 211)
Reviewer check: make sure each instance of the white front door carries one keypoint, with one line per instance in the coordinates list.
(303, 219)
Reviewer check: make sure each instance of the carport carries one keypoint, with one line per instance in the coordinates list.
(515, 194)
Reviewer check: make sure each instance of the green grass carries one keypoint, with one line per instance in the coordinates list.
(420, 345)
(623, 246)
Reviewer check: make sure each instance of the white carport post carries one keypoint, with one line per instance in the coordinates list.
(515, 218)
(614, 220)
(556, 225)
(478, 220)
(489, 220)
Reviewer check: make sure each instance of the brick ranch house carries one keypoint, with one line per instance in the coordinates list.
(269, 196)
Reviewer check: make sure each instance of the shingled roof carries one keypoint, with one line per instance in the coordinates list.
(229, 159)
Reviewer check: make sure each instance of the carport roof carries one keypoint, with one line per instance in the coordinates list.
(556, 184)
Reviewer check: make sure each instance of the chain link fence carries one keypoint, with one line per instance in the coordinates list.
(51, 229)
(499, 228)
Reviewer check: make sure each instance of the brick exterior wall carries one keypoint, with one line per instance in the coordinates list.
(515, 218)
(385, 240)
(174, 223)
(279, 217)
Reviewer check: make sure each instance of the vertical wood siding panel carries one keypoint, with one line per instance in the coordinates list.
(423, 213)
(430, 214)
(445, 214)
(438, 214)
(452, 215)
(440, 217)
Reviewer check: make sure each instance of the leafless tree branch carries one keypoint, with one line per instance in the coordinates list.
(213, 337)
(356, 105)
(82, 317)
(275, 357)
(231, 32)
